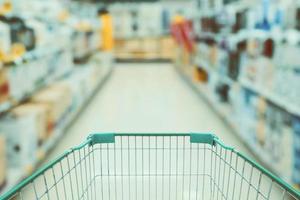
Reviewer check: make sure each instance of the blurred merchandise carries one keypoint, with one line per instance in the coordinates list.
(42, 89)
(4, 86)
(3, 164)
(137, 20)
(45, 116)
(241, 56)
(141, 30)
(145, 48)
(40, 115)
(57, 98)
(200, 75)
(5, 40)
(249, 54)
(296, 142)
(86, 40)
(17, 128)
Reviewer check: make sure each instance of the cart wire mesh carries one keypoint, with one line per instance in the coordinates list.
(152, 167)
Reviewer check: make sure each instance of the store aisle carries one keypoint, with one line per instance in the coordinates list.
(146, 98)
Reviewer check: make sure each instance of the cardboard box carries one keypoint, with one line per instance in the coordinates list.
(2, 161)
(40, 114)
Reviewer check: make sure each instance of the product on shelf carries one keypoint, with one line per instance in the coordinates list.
(5, 43)
(35, 70)
(137, 19)
(20, 32)
(240, 21)
(40, 114)
(167, 47)
(285, 164)
(58, 98)
(200, 75)
(145, 48)
(222, 91)
(41, 32)
(4, 86)
(85, 38)
(296, 152)
(76, 83)
(3, 166)
(17, 128)
(213, 54)
(261, 121)
(251, 56)
(275, 138)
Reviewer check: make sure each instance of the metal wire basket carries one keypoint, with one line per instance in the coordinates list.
(152, 167)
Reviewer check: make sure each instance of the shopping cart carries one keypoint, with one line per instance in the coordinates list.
(152, 167)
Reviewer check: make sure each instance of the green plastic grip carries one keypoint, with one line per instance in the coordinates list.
(203, 138)
(101, 138)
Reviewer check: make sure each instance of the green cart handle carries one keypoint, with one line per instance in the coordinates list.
(203, 138)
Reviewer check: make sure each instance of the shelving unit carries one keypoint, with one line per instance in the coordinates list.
(270, 96)
(223, 110)
(47, 80)
(16, 175)
(153, 48)
(276, 99)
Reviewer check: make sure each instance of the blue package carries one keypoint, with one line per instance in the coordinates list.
(296, 145)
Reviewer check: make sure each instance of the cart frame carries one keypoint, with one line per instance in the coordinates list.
(202, 138)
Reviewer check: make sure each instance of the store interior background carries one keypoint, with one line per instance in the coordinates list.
(228, 67)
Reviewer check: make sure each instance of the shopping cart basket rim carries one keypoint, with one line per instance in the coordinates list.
(96, 138)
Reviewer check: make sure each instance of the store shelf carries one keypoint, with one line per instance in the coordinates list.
(270, 96)
(6, 106)
(36, 54)
(207, 67)
(47, 80)
(276, 99)
(224, 111)
(142, 36)
(16, 175)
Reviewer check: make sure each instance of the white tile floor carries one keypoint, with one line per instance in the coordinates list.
(146, 98)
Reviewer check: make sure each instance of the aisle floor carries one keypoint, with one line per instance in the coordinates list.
(147, 97)
(153, 98)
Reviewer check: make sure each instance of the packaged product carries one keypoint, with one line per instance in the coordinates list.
(213, 54)
(296, 151)
(222, 91)
(17, 130)
(16, 83)
(286, 162)
(167, 48)
(57, 98)
(3, 171)
(4, 86)
(76, 83)
(200, 75)
(94, 77)
(261, 121)
(40, 114)
(5, 41)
